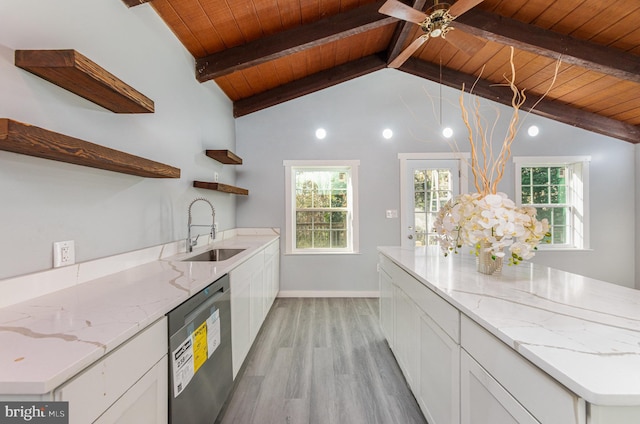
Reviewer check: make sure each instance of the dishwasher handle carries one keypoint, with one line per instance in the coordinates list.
(196, 304)
(208, 303)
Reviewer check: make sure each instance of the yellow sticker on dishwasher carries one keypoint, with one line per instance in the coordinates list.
(199, 346)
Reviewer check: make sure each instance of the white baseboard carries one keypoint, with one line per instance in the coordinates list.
(318, 293)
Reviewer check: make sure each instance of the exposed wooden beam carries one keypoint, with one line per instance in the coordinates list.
(403, 31)
(546, 108)
(547, 43)
(308, 85)
(131, 3)
(297, 39)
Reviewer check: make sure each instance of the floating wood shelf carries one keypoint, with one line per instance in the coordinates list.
(221, 187)
(34, 141)
(132, 3)
(74, 72)
(224, 156)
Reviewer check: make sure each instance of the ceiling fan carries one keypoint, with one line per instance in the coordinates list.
(435, 22)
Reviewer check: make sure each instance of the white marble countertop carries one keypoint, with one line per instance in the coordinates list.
(46, 340)
(583, 332)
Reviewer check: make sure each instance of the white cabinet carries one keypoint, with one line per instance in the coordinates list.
(485, 401)
(242, 305)
(254, 286)
(545, 399)
(144, 402)
(423, 332)
(613, 414)
(439, 373)
(240, 332)
(271, 273)
(127, 385)
(256, 296)
(407, 326)
(386, 306)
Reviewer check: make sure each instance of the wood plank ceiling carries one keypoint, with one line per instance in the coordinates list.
(265, 52)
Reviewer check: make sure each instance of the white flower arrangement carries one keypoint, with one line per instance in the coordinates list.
(488, 220)
(470, 219)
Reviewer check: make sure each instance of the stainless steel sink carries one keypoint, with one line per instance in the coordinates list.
(214, 255)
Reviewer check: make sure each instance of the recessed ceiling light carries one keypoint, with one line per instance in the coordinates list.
(533, 130)
(387, 133)
(321, 133)
(447, 132)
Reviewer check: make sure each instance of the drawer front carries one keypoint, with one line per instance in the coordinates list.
(546, 399)
(445, 315)
(484, 400)
(273, 248)
(94, 390)
(387, 265)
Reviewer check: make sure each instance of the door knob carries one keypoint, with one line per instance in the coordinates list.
(410, 236)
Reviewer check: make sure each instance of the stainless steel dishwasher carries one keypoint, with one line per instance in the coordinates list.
(200, 368)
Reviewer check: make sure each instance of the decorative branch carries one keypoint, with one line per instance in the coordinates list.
(490, 173)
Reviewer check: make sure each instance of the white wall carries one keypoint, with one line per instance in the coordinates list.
(355, 113)
(43, 201)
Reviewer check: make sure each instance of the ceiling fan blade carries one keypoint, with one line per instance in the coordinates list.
(406, 53)
(462, 6)
(402, 11)
(465, 42)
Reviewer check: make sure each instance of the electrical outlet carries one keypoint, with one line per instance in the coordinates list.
(64, 253)
(215, 177)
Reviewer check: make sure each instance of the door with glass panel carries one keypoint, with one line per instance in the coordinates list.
(428, 185)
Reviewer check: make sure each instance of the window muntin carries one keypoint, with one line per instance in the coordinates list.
(321, 206)
(556, 188)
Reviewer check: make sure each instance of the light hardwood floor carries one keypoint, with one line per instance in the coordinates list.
(321, 361)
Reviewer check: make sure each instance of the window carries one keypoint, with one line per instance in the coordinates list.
(321, 206)
(427, 181)
(433, 188)
(558, 188)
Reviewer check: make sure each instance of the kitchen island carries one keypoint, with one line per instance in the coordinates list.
(545, 345)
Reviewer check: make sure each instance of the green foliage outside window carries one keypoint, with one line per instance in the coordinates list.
(546, 188)
(321, 209)
(432, 189)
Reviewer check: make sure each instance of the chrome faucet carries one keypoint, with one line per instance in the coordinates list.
(191, 241)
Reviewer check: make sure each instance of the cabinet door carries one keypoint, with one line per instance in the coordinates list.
(276, 272)
(439, 374)
(268, 284)
(240, 311)
(484, 400)
(106, 382)
(544, 398)
(386, 306)
(145, 402)
(271, 275)
(257, 294)
(407, 326)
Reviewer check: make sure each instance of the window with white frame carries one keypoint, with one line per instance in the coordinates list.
(321, 206)
(558, 187)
